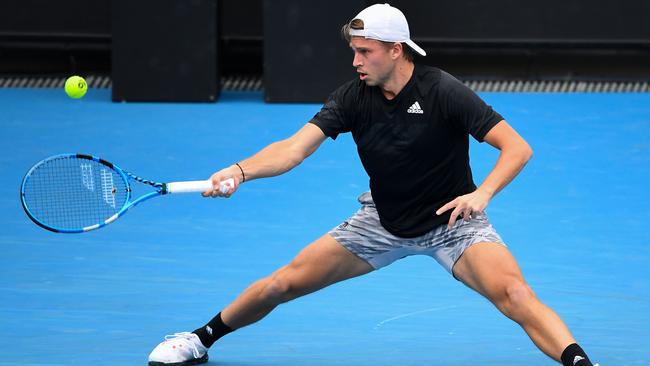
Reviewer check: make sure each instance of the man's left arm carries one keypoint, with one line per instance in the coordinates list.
(515, 153)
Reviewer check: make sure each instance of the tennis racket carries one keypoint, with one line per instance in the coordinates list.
(75, 193)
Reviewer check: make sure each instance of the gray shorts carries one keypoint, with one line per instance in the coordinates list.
(363, 235)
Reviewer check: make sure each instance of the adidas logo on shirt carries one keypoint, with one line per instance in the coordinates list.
(415, 108)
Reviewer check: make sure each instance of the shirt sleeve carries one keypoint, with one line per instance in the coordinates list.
(466, 109)
(336, 115)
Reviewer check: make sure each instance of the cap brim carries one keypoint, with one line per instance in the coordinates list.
(416, 48)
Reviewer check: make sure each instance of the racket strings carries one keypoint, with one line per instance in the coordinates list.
(74, 193)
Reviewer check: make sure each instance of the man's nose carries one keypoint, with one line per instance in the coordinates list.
(356, 60)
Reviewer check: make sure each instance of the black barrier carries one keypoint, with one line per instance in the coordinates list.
(305, 58)
(532, 23)
(165, 50)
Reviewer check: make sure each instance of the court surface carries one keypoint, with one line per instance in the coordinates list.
(576, 219)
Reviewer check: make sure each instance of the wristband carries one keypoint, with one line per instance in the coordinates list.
(243, 176)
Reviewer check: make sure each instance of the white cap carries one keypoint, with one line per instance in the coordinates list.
(385, 23)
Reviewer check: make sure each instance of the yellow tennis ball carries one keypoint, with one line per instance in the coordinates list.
(76, 87)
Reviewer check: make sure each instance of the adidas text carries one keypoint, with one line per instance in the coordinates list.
(415, 108)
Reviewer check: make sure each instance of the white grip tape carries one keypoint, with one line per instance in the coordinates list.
(198, 186)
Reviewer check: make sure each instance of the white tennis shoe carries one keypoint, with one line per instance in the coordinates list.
(179, 349)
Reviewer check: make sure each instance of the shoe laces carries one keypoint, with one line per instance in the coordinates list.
(187, 336)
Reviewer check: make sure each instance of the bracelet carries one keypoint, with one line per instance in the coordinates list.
(242, 173)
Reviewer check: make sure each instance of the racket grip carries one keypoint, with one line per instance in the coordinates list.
(198, 186)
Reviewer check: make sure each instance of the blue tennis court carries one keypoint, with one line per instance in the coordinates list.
(576, 219)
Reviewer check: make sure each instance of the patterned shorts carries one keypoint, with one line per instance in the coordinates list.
(363, 235)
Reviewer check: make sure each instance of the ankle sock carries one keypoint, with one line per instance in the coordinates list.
(211, 332)
(573, 355)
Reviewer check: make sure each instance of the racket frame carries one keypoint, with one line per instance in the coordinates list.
(160, 189)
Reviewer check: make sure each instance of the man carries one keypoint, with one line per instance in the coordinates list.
(411, 124)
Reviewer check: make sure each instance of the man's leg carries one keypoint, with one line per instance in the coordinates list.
(491, 270)
(320, 264)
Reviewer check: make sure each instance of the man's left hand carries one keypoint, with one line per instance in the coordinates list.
(465, 205)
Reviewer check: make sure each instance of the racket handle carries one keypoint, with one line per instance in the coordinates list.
(198, 186)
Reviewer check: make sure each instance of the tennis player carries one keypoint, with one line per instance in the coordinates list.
(411, 124)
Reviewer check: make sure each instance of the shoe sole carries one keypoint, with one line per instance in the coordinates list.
(195, 361)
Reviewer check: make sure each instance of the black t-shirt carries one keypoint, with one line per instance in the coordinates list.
(415, 147)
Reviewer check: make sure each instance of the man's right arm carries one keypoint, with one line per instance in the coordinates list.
(275, 159)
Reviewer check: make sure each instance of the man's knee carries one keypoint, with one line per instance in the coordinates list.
(514, 299)
(281, 286)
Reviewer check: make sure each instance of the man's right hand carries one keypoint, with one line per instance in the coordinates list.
(219, 177)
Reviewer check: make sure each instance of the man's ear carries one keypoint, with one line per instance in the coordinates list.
(396, 50)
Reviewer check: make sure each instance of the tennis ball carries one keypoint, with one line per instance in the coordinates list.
(76, 87)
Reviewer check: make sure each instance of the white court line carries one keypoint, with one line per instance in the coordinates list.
(413, 313)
